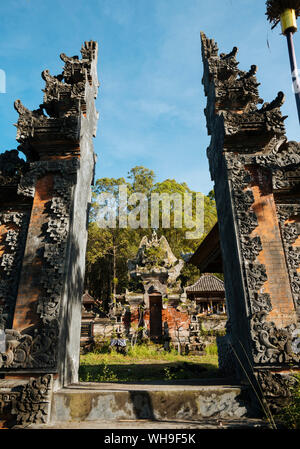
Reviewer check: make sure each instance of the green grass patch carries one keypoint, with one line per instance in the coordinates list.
(211, 349)
(146, 363)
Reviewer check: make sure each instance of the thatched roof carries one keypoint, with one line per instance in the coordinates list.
(87, 298)
(207, 283)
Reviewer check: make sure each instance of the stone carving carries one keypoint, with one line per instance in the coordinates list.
(283, 154)
(290, 232)
(243, 199)
(38, 169)
(155, 258)
(275, 104)
(251, 247)
(277, 388)
(228, 404)
(293, 257)
(249, 148)
(286, 210)
(55, 249)
(285, 180)
(11, 167)
(26, 351)
(56, 139)
(33, 404)
(40, 349)
(64, 102)
(54, 255)
(255, 273)
(248, 222)
(275, 384)
(6, 399)
(27, 403)
(256, 276)
(236, 171)
(261, 302)
(13, 240)
(62, 99)
(272, 345)
(51, 130)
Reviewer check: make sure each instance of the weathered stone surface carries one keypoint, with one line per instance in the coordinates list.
(43, 233)
(165, 402)
(256, 180)
(155, 260)
(24, 402)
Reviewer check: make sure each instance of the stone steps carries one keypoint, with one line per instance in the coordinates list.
(93, 402)
(120, 425)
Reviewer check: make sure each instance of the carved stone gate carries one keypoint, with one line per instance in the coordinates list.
(256, 174)
(44, 203)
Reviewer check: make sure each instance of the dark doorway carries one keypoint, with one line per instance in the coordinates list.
(155, 301)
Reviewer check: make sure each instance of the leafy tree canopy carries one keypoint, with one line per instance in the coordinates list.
(109, 249)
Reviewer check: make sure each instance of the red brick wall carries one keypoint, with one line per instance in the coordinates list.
(25, 314)
(272, 254)
(176, 321)
(171, 316)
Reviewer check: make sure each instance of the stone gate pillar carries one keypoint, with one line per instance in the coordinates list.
(44, 205)
(256, 174)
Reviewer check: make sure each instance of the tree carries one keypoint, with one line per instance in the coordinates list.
(142, 179)
(109, 249)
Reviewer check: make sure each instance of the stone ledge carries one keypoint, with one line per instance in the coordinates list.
(242, 423)
(155, 402)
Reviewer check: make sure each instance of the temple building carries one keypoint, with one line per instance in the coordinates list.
(158, 308)
(88, 316)
(209, 294)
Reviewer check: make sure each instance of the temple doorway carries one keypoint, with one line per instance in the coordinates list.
(155, 302)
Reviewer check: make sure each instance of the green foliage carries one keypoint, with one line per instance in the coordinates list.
(142, 179)
(109, 249)
(145, 362)
(105, 374)
(155, 256)
(290, 415)
(211, 195)
(211, 349)
(211, 332)
(144, 351)
(102, 345)
(168, 374)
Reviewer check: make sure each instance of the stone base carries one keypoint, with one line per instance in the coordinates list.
(25, 401)
(86, 402)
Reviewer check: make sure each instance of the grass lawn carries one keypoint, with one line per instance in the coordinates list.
(147, 363)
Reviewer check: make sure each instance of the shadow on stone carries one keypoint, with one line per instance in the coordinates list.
(142, 405)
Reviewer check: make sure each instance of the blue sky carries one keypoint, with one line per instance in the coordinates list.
(151, 98)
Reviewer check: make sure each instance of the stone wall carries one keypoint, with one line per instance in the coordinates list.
(256, 181)
(43, 236)
(180, 329)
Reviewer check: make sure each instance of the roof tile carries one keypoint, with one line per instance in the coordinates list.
(207, 283)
